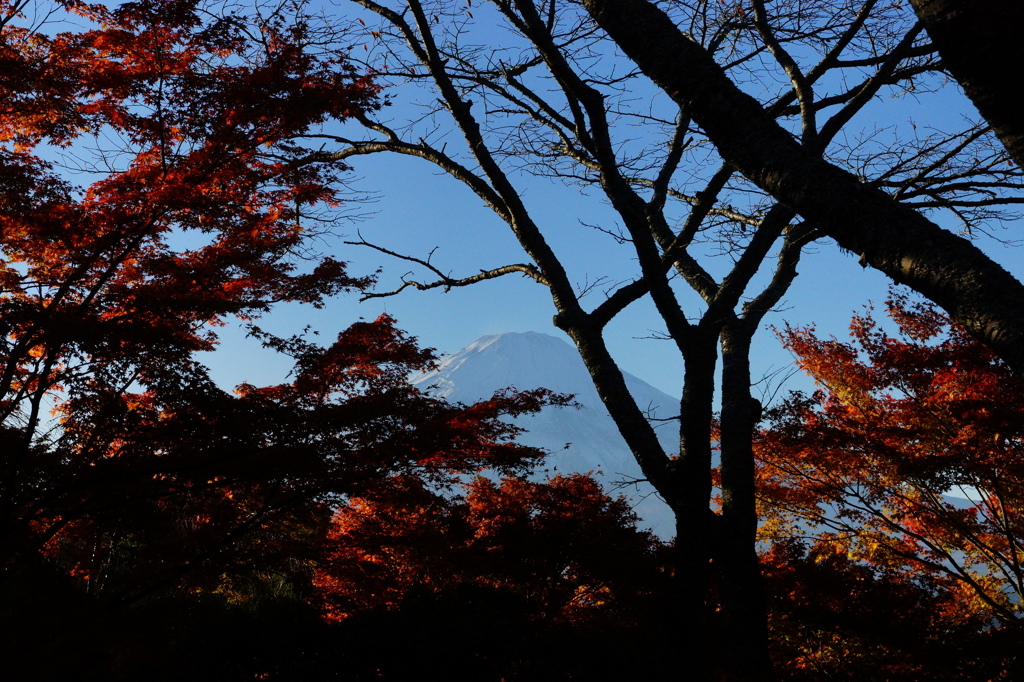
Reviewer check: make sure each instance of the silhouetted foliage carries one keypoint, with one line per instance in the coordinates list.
(155, 526)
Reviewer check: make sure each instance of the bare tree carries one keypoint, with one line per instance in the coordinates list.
(554, 99)
(894, 238)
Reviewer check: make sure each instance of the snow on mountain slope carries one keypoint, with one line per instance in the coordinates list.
(534, 360)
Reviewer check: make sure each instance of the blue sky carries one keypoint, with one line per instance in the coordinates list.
(416, 209)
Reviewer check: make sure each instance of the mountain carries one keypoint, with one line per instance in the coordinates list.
(584, 440)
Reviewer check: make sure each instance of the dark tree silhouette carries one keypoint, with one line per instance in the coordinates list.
(705, 170)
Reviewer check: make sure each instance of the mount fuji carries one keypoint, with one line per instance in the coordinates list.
(583, 440)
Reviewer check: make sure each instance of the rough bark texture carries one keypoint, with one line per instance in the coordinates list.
(980, 44)
(976, 291)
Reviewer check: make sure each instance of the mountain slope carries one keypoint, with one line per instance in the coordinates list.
(584, 440)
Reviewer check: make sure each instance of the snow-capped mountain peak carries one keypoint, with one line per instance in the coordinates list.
(533, 360)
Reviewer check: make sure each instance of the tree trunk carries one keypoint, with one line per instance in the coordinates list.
(980, 44)
(975, 290)
(744, 612)
(691, 504)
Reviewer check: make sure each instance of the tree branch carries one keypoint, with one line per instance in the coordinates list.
(525, 269)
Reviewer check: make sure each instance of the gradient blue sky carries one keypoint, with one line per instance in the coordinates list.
(416, 209)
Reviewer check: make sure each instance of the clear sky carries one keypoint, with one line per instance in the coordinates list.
(417, 209)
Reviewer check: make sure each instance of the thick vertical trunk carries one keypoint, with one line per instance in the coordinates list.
(744, 613)
(976, 291)
(691, 501)
(980, 44)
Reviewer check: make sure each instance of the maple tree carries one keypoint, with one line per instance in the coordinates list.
(186, 121)
(517, 579)
(563, 544)
(867, 463)
(832, 616)
(134, 491)
(203, 206)
(204, 481)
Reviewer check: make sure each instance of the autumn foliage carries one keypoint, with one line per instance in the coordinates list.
(905, 466)
(155, 185)
(570, 551)
(155, 526)
(125, 469)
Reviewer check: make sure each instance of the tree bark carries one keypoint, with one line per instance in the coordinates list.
(692, 481)
(975, 290)
(980, 45)
(745, 631)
